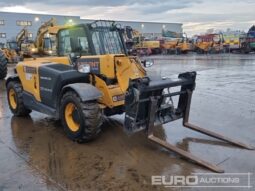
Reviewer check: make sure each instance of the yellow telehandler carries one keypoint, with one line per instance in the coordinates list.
(92, 77)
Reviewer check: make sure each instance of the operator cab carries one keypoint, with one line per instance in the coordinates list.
(13, 45)
(2, 45)
(95, 48)
(48, 46)
(98, 38)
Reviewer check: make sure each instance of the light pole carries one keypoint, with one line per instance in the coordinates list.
(141, 36)
(37, 19)
(163, 27)
(142, 26)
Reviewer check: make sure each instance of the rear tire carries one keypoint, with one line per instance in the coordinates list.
(15, 99)
(3, 66)
(81, 120)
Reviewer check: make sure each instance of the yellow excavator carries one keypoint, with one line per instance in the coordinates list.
(44, 40)
(43, 44)
(136, 43)
(23, 48)
(92, 77)
(26, 46)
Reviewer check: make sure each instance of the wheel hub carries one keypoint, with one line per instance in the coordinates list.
(12, 99)
(72, 117)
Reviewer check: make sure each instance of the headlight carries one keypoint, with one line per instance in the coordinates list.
(33, 49)
(84, 68)
(147, 63)
(50, 51)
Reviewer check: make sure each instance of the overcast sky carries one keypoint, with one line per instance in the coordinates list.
(196, 15)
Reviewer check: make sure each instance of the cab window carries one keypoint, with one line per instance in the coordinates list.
(73, 41)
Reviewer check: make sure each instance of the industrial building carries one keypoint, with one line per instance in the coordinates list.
(12, 23)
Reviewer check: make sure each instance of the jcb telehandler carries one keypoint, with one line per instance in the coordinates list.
(93, 77)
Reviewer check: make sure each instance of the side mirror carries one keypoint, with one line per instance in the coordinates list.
(147, 63)
(73, 58)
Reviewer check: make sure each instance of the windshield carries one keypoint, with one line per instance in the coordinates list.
(106, 41)
(98, 41)
(47, 44)
(13, 45)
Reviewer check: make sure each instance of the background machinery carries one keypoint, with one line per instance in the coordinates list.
(128, 36)
(247, 41)
(8, 54)
(19, 48)
(169, 46)
(184, 45)
(169, 42)
(231, 40)
(3, 65)
(180, 45)
(147, 46)
(11, 51)
(209, 43)
(93, 77)
(25, 44)
(24, 48)
(44, 41)
(138, 44)
(15, 50)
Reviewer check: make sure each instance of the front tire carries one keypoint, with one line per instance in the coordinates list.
(3, 66)
(81, 120)
(15, 99)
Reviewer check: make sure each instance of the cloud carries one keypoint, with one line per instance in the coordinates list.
(160, 7)
(99, 3)
(196, 15)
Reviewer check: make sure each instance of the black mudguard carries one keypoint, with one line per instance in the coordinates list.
(14, 77)
(86, 92)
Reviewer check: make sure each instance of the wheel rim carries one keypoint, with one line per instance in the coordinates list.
(12, 99)
(72, 121)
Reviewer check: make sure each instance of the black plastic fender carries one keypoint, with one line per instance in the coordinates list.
(14, 77)
(86, 91)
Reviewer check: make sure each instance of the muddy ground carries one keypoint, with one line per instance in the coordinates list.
(35, 154)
